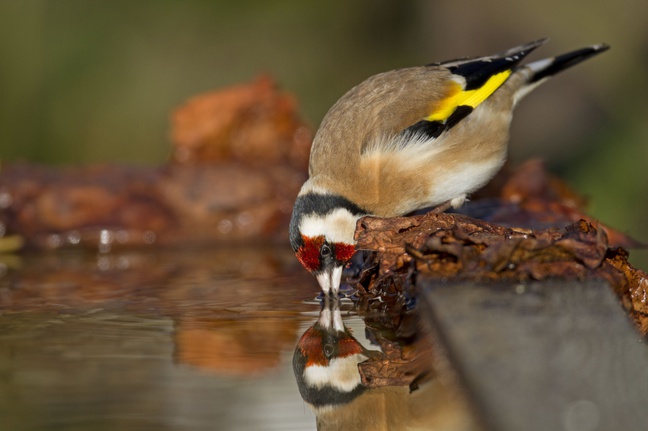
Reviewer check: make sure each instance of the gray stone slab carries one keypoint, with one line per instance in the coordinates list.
(556, 355)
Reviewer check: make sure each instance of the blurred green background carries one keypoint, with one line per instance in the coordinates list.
(94, 81)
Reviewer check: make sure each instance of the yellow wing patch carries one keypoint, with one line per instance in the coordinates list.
(472, 98)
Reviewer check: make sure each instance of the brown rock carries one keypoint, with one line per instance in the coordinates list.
(239, 159)
(253, 124)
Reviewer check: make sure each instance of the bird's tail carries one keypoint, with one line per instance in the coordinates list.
(541, 70)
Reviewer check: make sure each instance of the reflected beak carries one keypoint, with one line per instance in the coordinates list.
(330, 317)
(329, 279)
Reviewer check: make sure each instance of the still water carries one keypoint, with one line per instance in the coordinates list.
(202, 339)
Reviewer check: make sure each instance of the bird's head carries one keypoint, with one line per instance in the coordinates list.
(326, 360)
(321, 234)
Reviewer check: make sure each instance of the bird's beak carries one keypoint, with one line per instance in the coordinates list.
(330, 318)
(329, 279)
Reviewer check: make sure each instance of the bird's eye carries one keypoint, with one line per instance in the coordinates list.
(325, 250)
(328, 350)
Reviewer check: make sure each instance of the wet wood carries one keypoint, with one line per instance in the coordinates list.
(556, 355)
(533, 231)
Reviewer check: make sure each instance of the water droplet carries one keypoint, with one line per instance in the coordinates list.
(5, 199)
(105, 239)
(244, 219)
(54, 241)
(74, 237)
(225, 226)
(103, 263)
(105, 236)
(149, 237)
(121, 236)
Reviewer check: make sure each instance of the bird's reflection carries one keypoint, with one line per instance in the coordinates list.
(394, 390)
(326, 360)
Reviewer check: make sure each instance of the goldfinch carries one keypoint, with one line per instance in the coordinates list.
(326, 362)
(409, 139)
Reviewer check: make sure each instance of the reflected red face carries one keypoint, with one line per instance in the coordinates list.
(316, 249)
(315, 345)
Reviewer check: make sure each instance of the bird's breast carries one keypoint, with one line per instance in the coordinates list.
(400, 183)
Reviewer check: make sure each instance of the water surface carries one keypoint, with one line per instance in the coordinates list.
(166, 340)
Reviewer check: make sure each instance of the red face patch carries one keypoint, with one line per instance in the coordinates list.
(348, 346)
(344, 252)
(310, 345)
(309, 253)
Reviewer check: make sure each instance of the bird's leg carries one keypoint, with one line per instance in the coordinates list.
(441, 208)
(452, 203)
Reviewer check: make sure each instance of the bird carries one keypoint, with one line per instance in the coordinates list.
(409, 139)
(325, 361)
(325, 365)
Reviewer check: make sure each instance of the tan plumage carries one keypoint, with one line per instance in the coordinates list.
(409, 139)
(395, 181)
